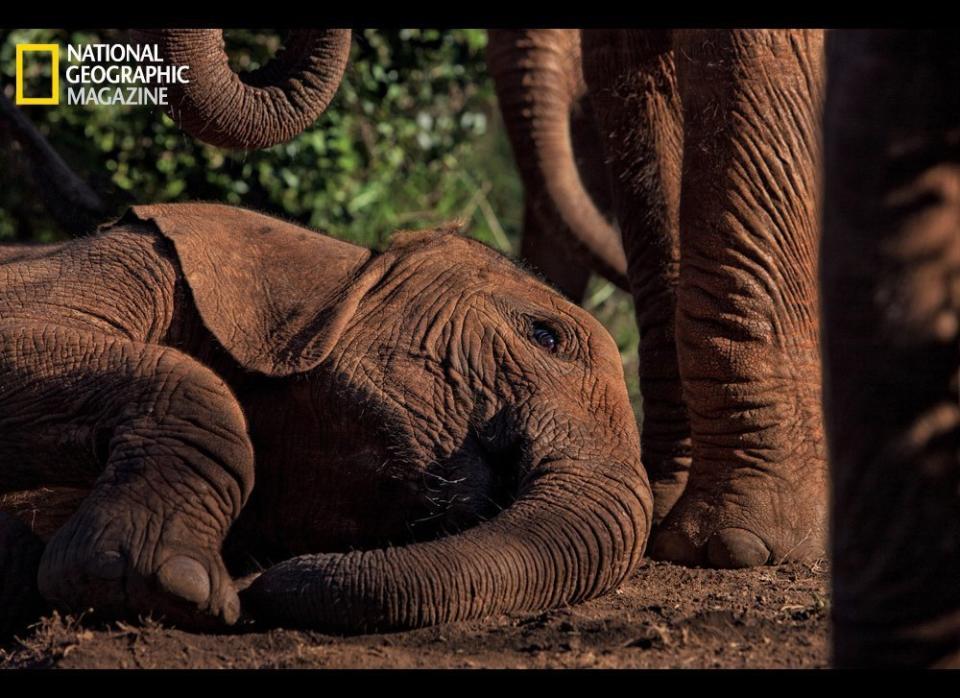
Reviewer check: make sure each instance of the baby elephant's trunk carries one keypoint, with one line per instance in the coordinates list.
(576, 531)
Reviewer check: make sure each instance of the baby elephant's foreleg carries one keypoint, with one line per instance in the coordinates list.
(176, 468)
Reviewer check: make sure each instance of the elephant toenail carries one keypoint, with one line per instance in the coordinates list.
(675, 547)
(736, 547)
(108, 565)
(185, 577)
(231, 609)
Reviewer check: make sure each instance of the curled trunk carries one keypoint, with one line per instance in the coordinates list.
(575, 532)
(257, 109)
(539, 81)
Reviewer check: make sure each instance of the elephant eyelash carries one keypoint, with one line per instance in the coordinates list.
(538, 330)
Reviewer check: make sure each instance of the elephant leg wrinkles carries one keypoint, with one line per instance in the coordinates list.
(133, 419)
(747, 322)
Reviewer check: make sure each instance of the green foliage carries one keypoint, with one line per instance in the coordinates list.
(408, 142)
(412, 139)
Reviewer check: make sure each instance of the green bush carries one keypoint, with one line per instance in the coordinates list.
(406, 143)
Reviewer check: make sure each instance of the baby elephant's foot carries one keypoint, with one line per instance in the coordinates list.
(745, 517)
(124, 562)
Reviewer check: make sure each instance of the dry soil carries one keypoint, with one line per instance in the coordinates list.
(665, 616)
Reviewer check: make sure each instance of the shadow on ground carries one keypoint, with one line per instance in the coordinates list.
(666, 616)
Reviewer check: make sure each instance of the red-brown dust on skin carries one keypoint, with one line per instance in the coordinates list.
(665, 616)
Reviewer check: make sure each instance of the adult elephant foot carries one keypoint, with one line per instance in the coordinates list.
(757, 489)
(747, 329)
(747, 516)
(667, 489)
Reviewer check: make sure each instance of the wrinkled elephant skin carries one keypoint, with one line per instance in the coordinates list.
(713, 141)
(198, 386)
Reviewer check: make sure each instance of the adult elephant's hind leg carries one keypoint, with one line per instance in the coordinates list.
(164, 443)
(633, 90)
(747, 322)
(891, 302)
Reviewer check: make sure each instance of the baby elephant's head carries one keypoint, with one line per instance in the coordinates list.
(497, 409)
(483, 377)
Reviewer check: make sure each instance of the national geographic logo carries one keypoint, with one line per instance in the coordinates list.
(97, 74)
(53, 51)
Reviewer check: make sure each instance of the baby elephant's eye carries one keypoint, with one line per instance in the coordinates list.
(545, 337)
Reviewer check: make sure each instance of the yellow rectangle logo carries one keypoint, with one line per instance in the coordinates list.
(54, 51)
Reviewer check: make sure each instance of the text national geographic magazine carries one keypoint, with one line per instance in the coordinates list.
(557, 348)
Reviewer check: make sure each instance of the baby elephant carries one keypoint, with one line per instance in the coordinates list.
(424, 435)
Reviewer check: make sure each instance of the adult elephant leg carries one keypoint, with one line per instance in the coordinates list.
(890, 272)
(551, 254)
(632, 84)
(747, 324)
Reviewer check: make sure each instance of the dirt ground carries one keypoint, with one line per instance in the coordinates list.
(666, 616)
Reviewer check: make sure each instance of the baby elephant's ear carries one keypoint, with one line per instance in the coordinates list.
(275, 295)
